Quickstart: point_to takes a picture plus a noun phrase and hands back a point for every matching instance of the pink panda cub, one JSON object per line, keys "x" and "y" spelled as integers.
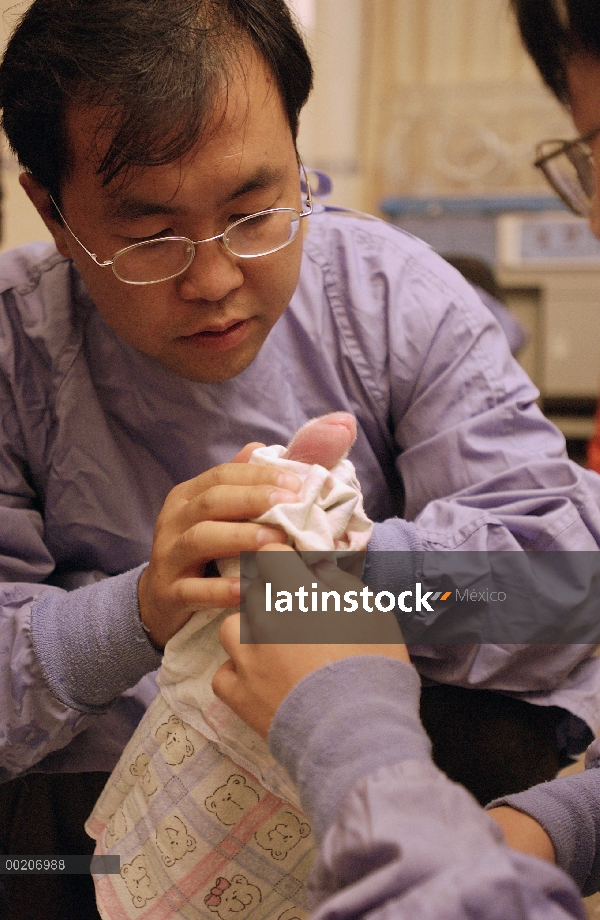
{"x": 325, "y": 440}
{"x": 329, "y": 515}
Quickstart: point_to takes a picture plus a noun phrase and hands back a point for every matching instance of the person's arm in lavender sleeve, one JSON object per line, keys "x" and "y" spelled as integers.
{"x": 65, "y": 657}
{"x": 482, "y": 469}
{"x": 396, "y": 838}
{"x": 567, "y": 810}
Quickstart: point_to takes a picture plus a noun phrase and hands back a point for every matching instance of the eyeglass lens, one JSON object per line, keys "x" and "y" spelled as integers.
{"x": 161, "y": 259}
{"x": 581, "y": 160}
{"x": 571, "y": 174}
{"x": 262, "y": 233}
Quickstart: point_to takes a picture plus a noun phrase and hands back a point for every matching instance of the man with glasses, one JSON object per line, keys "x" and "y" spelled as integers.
{"x": 567, "y": 52}
{"x": 191, "y": 307}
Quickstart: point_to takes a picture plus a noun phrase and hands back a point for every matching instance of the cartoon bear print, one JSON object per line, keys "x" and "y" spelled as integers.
{"x": 231, "y": 801}
{"x": 116, "y": 828}
{"x": 173, "y": 840}
{"x": 141, "y": 887}
{"x": 229, "y": 899}
{"x": 293, "y": 913}
{"x": 174, "y": 743}
{"x": 282, "y": 834}
{"x": 142, "y": 769}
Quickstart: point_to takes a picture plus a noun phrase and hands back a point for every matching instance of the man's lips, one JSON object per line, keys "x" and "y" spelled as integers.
{"x": 219, "y": 330}
{"x": 221, "y": 336}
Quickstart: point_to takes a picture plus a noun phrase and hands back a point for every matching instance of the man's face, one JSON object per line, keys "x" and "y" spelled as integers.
{"x": 583, "y": 73}
{"x": 209, "y": 323}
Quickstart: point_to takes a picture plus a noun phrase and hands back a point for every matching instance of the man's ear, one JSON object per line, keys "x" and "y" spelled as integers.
{"x": 40, "y": 199}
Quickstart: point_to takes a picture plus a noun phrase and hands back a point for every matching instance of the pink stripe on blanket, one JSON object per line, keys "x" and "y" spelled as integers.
{"x": 205, "y": 871}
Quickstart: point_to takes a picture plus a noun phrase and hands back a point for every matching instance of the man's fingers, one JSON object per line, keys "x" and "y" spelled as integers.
{"x": 184, "y": 597}
{"x": 239, "y": 474}
{"x": 234, "y": 503}
{"x": 246, "y": 452}
{"x": 278, "y": 548}
{"x": 191, "y": 594}
{"x": 216, "y": 540}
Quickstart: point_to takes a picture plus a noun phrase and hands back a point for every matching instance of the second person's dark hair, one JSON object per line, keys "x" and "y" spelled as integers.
{"x": 552, "y": 30}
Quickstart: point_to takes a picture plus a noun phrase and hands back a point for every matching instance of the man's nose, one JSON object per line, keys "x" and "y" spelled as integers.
{"x": 212, "y": 275}
{"x": 594, "y": 218}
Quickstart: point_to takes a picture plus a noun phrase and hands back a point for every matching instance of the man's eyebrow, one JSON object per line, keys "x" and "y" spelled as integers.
{"x": 264, "y": 177}
{"x": 130, "y": 208}
{"x": 127, "y": 209}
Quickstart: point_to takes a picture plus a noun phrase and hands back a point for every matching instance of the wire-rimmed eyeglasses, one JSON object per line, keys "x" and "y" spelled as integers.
{"x": 166, "y": 257}
{"x": 569, "y": 168}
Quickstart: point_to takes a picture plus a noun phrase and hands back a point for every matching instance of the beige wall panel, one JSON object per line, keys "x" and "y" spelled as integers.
{"x": 329, "y": 132}
{"x": 441, "y": 41}
{"x": 445, "y": 40}
{"x": 491, "y": 42}
{"x": 403, "y": 27}
{"x": 20, "y": 221}
{"x": 457, "y": 109}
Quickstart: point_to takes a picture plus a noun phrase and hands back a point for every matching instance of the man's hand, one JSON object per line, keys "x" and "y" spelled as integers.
{"x": 256, "y": 678}
{"x": 203, "y": 519}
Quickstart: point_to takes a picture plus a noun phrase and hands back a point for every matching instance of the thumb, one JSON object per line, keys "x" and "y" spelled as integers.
{"x": 229, "y": 634}
{"x": 337, "y": 578}
{"x": 225, "y": 682}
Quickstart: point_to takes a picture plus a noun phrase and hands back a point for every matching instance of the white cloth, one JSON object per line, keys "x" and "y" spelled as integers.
{"x": 329, "y": 516}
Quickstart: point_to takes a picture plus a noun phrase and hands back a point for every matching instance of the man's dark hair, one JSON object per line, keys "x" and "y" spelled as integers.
{"x": 553, "y": 30}
{"x": 157, "y": 66}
